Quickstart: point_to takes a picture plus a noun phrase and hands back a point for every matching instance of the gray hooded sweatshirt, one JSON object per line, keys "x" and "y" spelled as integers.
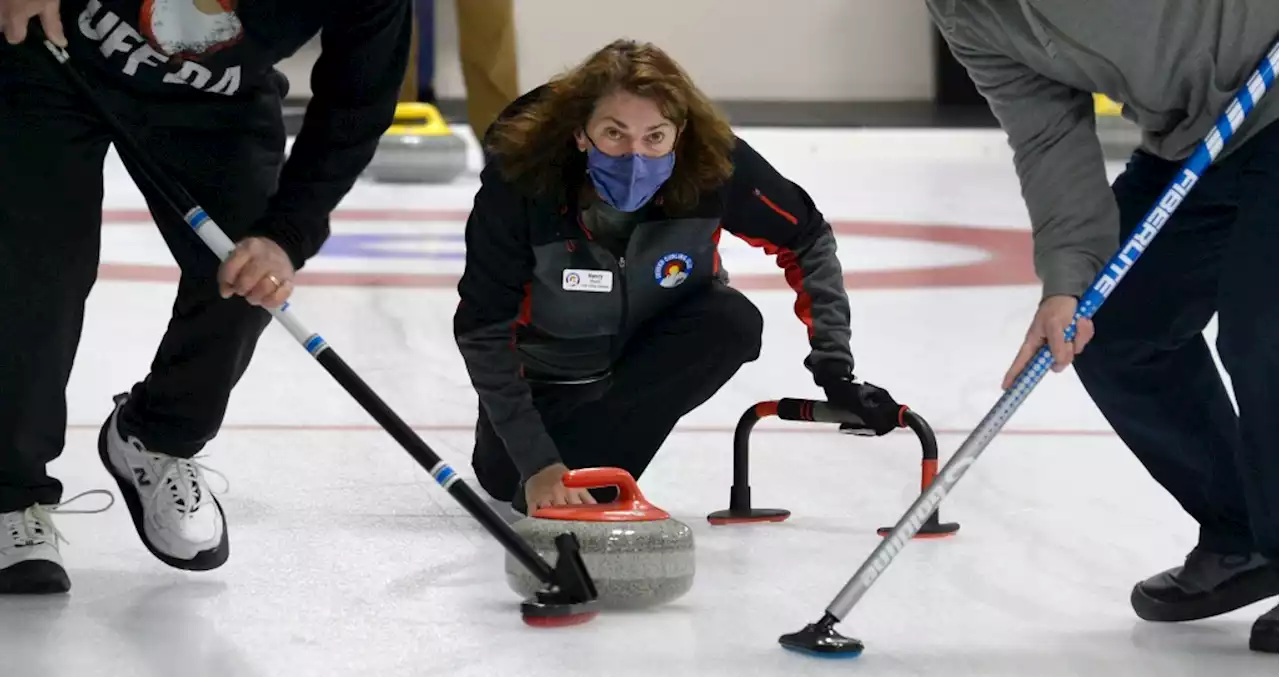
{"x": 1174, "y": 65}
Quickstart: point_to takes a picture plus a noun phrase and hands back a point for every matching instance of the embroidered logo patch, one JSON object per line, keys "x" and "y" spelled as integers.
{"x": 672, "y": 269}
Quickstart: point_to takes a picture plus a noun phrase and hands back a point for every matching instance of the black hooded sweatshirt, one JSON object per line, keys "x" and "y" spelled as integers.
{"x": 171, "y": 50}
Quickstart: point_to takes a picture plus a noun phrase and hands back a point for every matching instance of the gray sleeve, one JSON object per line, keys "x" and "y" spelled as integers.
{"x": 822, "y": 281}
{"x": 769, "y": 211}
{"x": 1075, "y": 222}
{"x": 492, "y": 293}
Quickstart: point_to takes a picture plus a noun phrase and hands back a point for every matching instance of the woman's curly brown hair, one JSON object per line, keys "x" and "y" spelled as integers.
{"x": 534, "y": 148}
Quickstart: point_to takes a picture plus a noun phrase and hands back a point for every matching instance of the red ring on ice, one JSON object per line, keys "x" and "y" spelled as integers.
{"x": 1008, "y": 256}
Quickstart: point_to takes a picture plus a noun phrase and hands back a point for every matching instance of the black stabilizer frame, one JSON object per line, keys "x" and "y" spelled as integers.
{"x": 789, "y": 409}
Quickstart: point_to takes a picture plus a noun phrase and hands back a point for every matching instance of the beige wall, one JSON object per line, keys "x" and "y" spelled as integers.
{"x": 828, "y": 50}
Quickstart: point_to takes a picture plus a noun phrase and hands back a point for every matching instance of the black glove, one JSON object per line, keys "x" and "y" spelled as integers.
{"x": 874, "y": 405}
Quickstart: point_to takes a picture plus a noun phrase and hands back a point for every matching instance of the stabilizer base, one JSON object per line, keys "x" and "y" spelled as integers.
{"x": 740, "y": 510}
{"x": 747, "y": 516}
{"x": 821, "y": 640}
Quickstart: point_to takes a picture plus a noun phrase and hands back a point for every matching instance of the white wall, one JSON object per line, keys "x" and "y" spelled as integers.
{"x": 828, "y": 50}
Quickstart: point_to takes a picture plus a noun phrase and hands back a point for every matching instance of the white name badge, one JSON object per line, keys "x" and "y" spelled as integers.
{"x": 575, "y": 279}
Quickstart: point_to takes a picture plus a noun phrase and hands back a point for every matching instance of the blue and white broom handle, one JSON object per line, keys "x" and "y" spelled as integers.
{"x": 222, "y": 247}
{"x": 1206, "y": 152}
{"x": 1210, "y": 146}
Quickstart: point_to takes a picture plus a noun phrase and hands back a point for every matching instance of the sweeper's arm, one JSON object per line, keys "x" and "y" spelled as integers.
{"x": 492, "y": 291}
{"x": 1075, "y": 222}
{"x": 364, "y": 51}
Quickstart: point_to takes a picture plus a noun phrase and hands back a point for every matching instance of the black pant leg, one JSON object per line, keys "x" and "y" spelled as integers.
{"x": 672, "y": 365}
{"x": 1149, "y": 369}
{"x": 228, "y": 156}
{"x": 494, "y": 469}
{"x": 1248, "y": 317}
{"x": 51, "y": 158}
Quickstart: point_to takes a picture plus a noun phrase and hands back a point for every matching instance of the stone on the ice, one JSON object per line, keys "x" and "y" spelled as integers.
{"x": 637, "y": 554}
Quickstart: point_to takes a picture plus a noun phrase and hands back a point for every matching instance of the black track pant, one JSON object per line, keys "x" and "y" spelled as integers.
{"x": 672, "y": 365}
{"x": 226, "y": 153}
{"x": 1149, "y": 368}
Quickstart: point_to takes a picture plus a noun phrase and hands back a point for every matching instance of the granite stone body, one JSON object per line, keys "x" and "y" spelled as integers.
{"x": 637, "y": 554}
{"x": 418, "y": 159}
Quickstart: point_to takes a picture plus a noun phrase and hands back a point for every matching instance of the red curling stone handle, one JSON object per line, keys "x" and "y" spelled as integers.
{"x": 595, "y": 478}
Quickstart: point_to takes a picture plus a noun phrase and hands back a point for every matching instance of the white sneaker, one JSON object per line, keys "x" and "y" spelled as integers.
{"x": 30, "y": 562}
{"x": 176, "y": 515}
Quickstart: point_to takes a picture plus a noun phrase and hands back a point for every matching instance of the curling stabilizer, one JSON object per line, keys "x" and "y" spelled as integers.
{"x": 741, "y": 511}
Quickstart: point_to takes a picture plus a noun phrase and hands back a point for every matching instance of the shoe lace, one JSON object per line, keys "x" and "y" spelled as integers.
{"x": 35, "y": 524}
{"x": 183, "y": 479}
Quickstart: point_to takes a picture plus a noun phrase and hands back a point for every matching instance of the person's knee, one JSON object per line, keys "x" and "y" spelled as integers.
{"x": 1101, "y": 348}
{"x": 494, "y": 470}
{"x": 1111, "y": 357}
{"x": 1107, "y": 357}
{"x": 738, "y": 324}
{"x": 1124, "y": 341}
{"x": 489, "y": 457}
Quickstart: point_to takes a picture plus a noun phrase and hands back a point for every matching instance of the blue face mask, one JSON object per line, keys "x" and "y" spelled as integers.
{"x": 628, "y": 181}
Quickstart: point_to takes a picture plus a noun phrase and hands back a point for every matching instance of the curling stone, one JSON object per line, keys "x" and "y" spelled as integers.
{"x": 1118, "y": 135}
{"x": 637, "y": 554}
{"x": 418, "y": 147}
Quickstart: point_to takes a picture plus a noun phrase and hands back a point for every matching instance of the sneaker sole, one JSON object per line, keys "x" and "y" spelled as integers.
{"x": 1251, "y": 587}
{"x": 204, "y": 560}
{"x": 34, "y": 577}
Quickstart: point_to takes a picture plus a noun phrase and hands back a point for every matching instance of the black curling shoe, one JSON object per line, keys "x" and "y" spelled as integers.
{"x": 1208, "y": 584}
{"x": 1263, "y": 636}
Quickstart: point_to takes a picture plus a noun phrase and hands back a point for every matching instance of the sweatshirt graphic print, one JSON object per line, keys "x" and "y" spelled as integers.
{"x": 173, "y": 38}
{"x": 190, "y": 27}
{"x": 222, "y": 54}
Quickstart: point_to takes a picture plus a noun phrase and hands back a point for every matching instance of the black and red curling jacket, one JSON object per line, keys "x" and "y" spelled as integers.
{"x": 523, "y": 308}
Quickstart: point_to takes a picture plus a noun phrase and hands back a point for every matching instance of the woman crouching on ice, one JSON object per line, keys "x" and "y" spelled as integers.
{"x": 594, "y": 312}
